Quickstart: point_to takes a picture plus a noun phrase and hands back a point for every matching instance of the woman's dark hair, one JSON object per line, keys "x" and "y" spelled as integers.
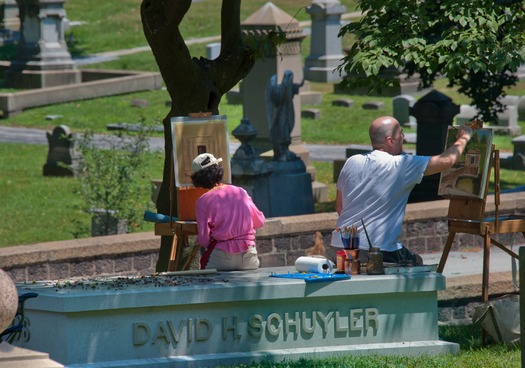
{"x": 208, "y": 177}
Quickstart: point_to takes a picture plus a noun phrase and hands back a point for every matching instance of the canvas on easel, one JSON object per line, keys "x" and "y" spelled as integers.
{"x": 192, "y": 136}
{"x": 468, "y": 178}
{"x": 466, "y": 184}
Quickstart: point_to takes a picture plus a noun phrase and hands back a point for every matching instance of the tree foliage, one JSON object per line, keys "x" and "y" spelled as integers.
{"x": 112, "y": 176}
{"x": 477, "y": 45}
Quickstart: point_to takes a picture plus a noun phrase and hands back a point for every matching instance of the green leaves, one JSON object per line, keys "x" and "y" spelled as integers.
{"x": 111, "y": 174}
{"x": 456, "y": 39}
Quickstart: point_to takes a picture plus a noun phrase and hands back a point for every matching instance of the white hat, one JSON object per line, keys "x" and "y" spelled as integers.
{"x": 203, "y": 161}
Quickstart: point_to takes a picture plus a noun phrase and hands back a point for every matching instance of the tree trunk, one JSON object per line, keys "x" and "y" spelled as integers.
{"x": 194, "y": 84}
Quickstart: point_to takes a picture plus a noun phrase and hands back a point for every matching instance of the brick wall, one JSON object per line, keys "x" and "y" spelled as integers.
{"x": 280, "y": 242}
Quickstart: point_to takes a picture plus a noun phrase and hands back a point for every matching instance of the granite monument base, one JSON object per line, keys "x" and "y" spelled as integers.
{"x": 284, "y": 193}
{"x": 232, "y": 318}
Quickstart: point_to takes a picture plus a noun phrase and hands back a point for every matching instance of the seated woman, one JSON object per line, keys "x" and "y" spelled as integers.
{"x": 226, "y": 219}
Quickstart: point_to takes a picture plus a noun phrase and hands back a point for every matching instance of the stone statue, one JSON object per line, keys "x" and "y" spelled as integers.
{"x": 281, "y": 117}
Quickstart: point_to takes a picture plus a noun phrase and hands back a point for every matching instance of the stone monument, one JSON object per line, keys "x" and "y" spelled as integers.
{"x": 325, "y": 45}
{"x": 281, "y": 115}
{"x": 289, "y": 183}
{"x": 43, "y": 59}
{"x": 10, "y": 24}
{"x": 434, "y": 113}
{"x": 401, "y": 109}
{"x": 287, "y": 56}
{"x": 61, "y": 155}
{"x": 249, "y": 170}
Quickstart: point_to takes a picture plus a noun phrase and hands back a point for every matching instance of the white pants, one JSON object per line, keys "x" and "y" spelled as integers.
{"x": 223, "y": 261}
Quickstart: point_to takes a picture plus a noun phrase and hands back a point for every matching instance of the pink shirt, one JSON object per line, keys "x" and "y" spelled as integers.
{"x": 227, "y": 214}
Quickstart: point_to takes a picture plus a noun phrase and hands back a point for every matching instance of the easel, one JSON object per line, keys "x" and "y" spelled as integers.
{"x": 466, "y": 215}
{"x": 191, "y": 135}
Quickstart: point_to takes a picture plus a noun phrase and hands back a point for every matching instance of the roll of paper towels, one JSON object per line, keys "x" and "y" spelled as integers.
{"x": 314, "y": 264}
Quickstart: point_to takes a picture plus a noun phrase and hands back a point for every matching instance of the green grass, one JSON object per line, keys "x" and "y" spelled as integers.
{"x": 36, "y": 208}
{"x": 472, "y": 355}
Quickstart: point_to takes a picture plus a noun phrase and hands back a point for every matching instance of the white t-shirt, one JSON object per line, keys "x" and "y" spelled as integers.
{"x": 375, "y": 188}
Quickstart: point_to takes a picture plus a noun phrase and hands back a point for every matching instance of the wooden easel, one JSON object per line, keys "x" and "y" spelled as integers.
{"x": 180, "y": 230}
{"x": 197, "y": 133}
{"x": 467, "y": 215}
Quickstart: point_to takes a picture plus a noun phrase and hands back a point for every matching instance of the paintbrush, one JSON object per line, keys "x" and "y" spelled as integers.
{"x": 366, "y": 233}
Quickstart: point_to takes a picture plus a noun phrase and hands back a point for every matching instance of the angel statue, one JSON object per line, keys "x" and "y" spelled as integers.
{"x": 281, "y": 116}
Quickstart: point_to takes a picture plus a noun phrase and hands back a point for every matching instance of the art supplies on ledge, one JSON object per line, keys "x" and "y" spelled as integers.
{"x": 314, "y": 264}
{"x": 349, "y": 236}
{"x": 311, "y": 277}
{"x": 157, "y": 217}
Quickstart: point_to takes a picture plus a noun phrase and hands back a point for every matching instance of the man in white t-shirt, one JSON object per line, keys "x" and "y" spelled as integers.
{"x": 374, "y": 188}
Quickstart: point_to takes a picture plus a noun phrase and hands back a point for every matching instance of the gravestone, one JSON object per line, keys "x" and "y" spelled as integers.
{"x": 401, "y": 109}
{"x": 139, "y": 102}
{"x": 314, "y": 114}
{"x": 10, "y": 24}
{"x": 61, "y": 157}
{"x": 42, "y": 59}
{"x": 518, "y": 158}
{"x": 343, "y": 102}
{"x": 233, "y": 318}
{"x": 247, "y": 166}
{"x": 466, "y": 114}
{"x": 373, "y": 105}
{"x": 521, "y": 107}
{"x": 287, "y": 56}
{"x": 325, "y": 45}
{"x": 289, "y": 186}
{"x": 507, "y": 120}
{"x": 434, "y": 112}
{"x": 104, "y": 222}
{"x": 213, "y": 50}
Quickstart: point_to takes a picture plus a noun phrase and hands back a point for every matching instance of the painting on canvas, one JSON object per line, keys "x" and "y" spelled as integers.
{"x": 192, "y": 136}
{"x": 469, "y": 176}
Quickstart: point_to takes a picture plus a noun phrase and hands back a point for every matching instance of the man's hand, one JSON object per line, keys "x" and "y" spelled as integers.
{"x": 464, "y": 131}
{"x": 476, "y": 124}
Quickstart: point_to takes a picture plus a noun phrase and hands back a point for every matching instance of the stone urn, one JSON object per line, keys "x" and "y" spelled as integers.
{"x": 8, "y": 300}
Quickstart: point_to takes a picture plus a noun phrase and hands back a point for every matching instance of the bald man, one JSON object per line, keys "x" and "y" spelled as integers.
{"x": 375, "y": 187}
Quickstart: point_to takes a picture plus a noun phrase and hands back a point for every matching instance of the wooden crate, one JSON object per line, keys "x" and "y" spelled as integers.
{"x": 186, "y": 198}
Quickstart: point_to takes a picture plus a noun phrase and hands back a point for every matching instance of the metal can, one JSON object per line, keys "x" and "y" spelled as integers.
{"x": 355, "y": 267}
{"x": 340, "y": 260}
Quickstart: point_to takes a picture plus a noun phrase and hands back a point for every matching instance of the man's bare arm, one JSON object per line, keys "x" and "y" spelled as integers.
{"x": 451, "y": 155}
{"x": 338, "y": 202}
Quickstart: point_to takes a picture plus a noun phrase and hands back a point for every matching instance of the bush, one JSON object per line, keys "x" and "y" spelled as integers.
{"x": 112, "y": 177}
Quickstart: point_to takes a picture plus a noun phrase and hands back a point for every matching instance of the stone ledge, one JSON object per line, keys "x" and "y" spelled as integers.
{"x": 470, "y": 286}
{"x": 509, "y": 202}
{"x": 279, "y": 227}
{"x": 23, "y": 255}
{"x": 298, "y": 224}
